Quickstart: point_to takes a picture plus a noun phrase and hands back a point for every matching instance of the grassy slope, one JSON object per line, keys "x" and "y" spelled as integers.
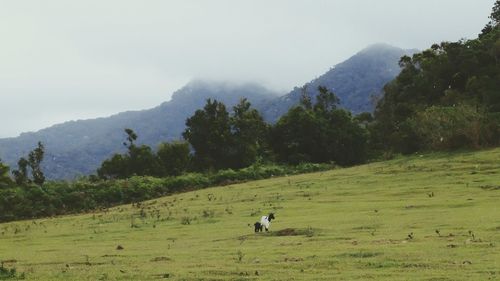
{"x": 354, "y": 223}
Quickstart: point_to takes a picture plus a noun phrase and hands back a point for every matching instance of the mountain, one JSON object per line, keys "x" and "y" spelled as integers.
{"x": 78, "y": 147}
{"x": 358, "y": 81}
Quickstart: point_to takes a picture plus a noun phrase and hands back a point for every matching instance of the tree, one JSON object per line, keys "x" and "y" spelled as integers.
{"x": 294, "y": 138}
{"x": 494, "y": 19}
{"x": 114, "y": 167}
{"x": 131, "y": 137}
{"x": 319, "y": 133}
{"x": 209, "y": 133}
{"x": 139, "y": 161}
{"x": 249, "y": 133}
{"x": 174, "y": 158}
{"x": 21, "y": 174}
{"x": 495, "y": 13}
{"x": 5, "y": 180}
{"x": 326, "y": 100}
{"x": 35, "y": 159}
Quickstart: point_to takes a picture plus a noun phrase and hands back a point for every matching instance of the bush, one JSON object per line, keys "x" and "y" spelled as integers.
{"x": 58, "y": 198}
{"x": 6, "y": 273}
{"x": 452, "y": 127}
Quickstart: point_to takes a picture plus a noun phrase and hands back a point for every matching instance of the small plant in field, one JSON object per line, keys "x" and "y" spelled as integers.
{"x": 185, "y": 220}
{"x": 142, "y": 213}
{"x": 239, "y": 256}
{"x": 472, "y": 235}
{"x": 211, "y": 197}
{"x": 208, "y": 213}
{"x": 132, "y": 222}
{"x": 309, "y": 232}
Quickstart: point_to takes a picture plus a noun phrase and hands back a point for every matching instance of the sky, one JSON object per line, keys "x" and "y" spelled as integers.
{"x": 66, "y": 60}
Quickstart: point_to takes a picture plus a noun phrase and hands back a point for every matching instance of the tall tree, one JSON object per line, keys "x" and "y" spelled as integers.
{"x": 209, "y": 133}
{"x": 35, "y": 159}
{"x": 5, "y": 180}
{"x": 21, "y": 174}
{"x": 319, "y": 133}
{"x": 139, "y": 161}
{"x": 249, "y": 132}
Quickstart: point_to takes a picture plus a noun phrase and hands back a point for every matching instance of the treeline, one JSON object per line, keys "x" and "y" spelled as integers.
{"x": 215, "y": 139}
{"x": 60, "y": 198}
{"x": 446, "y": 97}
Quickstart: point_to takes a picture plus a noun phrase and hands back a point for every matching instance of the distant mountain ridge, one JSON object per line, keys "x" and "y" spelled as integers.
{"x": 78, "y": 147}
{"x": 358, "y": 81}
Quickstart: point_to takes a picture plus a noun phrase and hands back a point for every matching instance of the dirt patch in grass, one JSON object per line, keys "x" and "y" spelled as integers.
{"x": 360, "y": 254}
{"x": 388, "y": 241}
{"x": 157, "y": 259}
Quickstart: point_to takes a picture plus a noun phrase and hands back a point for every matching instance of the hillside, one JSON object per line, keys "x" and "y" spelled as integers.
{"x": 358, "y": 81}
{"x": 425, "y": 217}
{"x": 78, "y": 147}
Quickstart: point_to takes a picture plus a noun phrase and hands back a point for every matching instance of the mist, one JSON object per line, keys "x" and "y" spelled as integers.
{"x": 69, "y": 60}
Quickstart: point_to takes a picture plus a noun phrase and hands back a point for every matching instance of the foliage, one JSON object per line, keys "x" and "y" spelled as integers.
{"x": 34, "y": 161}
{"x": 451, "y": 127}
{"x": 319, "y": 133}
{"x": 5, "y": 180}
{"x": 464, "y": 75}
{"x": 173, "y": 158}
{"x": 494, "y": 19}
{"x": 6, "y": 273}
{"x": 140, "y": 161}
{"x": 58, "y": 198}
{"x": 222, "y": 141}
{"x": 209, "y": 133}
{"x": 21, "y": 174}
{"x": 249, "y": 134}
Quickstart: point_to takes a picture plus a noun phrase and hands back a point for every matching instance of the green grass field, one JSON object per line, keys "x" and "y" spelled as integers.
{"x": 344, "y": 224}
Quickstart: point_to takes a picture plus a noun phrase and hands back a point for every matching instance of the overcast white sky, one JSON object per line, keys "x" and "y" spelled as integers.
{"x": 64, "y": 60}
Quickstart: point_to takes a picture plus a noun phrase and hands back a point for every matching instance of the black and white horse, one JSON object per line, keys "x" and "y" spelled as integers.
{"x": 264, "y": 223}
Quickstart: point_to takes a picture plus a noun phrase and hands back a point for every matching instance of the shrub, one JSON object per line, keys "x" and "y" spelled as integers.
{"x": 58, "y": 198}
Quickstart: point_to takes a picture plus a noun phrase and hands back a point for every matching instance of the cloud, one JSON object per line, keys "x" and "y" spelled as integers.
{"x": 80, "y": 59}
